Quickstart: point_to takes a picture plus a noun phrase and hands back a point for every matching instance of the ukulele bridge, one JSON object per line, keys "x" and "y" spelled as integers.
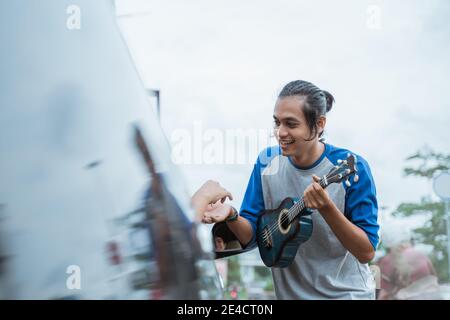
{"x": 267, "y": 238}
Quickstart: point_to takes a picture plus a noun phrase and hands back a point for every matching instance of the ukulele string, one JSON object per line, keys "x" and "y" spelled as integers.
{"x": 300, "y": 205}
{"x": 274, "y": 226}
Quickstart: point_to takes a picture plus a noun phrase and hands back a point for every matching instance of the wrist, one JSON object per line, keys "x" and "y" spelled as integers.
{"x": 233, "y": 215}
{"x": 327, "y": 208}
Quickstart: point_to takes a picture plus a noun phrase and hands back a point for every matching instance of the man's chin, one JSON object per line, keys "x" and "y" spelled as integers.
{"x": 286, "y": 151}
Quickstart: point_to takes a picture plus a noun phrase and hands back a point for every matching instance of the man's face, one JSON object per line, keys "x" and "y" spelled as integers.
{"x": 290, "y": 126}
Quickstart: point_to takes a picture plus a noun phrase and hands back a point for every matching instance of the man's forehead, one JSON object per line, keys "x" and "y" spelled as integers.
{"x": 289, "y": 107}
{"x": 286, "y": 117}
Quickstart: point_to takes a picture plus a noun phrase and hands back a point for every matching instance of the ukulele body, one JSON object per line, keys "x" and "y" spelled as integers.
{"x": 278, "y": 241}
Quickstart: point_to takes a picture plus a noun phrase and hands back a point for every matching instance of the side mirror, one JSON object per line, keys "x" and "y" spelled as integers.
{"x": 225, "y": 242}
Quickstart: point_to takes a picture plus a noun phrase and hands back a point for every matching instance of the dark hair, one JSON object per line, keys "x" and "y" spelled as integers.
{"x": 317, "y": 102}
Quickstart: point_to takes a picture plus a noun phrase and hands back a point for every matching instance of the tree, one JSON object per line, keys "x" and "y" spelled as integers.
{"x": 434, "y": 231}
{"x": 234, "y": 270}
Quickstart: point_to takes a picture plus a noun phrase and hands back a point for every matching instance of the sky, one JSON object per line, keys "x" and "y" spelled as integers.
{"x": 220, "y": 64}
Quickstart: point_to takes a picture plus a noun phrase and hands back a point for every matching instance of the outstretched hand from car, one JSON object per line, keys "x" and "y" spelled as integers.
{"x": 210, "y": 193}
{"x": 216, "y": 212}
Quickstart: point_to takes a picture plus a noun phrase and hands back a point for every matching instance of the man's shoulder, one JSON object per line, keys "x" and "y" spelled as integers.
{"x": 337, "y": 153}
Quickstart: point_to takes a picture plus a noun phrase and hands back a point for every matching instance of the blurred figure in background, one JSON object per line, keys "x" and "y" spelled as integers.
{"x": 406, "y": 273}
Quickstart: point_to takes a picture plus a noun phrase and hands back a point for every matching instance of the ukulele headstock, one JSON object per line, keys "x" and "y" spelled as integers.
{"x": 343, "y": 170}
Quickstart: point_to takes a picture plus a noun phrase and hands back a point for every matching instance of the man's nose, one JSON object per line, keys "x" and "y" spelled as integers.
{"x": 282, "y": 132}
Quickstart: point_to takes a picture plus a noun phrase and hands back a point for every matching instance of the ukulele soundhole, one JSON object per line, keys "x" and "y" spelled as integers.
{"x": 283, "y": 221}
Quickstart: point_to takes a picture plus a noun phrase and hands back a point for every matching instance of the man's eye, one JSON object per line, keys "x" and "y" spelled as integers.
{"x": 291, "y": 125}
{"x": 276, "y": 123}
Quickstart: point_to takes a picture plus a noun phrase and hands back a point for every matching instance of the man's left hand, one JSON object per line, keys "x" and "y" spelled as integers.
{"x": 315, "y": 196}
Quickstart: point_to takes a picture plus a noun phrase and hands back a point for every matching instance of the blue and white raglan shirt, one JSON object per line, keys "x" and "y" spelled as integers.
{"x": 322, "y": 268}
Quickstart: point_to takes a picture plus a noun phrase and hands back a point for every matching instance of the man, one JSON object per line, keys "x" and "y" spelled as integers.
{"x": 332, "y": 264}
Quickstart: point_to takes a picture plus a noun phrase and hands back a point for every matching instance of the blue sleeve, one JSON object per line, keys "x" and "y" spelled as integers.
{"x": 361, "y": 205}
{"x": 253, "y": 202}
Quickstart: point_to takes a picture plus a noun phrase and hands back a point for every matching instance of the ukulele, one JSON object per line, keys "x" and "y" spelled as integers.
{"x": 281, "y": 231}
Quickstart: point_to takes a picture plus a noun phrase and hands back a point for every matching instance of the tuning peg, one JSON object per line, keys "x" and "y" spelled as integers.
{"x": 355, "y": 178}
{"x": 347, "y": 183}
{"x": 344, "y": 161}
{"x": 339, "y": 161}
{"x": 347, "y": 171}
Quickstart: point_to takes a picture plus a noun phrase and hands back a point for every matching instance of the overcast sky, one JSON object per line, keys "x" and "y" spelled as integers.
{"x": 222, "y": 63}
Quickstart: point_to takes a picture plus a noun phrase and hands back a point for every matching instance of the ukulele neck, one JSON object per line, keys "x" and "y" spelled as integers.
{"x": 298, "y": 207}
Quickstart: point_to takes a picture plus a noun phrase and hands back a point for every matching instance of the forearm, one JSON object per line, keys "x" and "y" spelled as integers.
{"x": 353, "y": 238}
{"x": 242, "y": 229}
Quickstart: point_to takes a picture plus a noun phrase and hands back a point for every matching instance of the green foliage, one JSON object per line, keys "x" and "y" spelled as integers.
{"x": 234, "y": 270}
{"x": 269, "y": 285}
{"x": 429, "y": 163}
{"x": 434, "y": 230}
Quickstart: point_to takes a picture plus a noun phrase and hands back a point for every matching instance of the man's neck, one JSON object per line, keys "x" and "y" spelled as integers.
{"x": 308, "y": 157}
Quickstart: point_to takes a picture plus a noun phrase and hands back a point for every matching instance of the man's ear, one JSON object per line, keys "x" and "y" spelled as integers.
{"x": 321, "y": 122}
